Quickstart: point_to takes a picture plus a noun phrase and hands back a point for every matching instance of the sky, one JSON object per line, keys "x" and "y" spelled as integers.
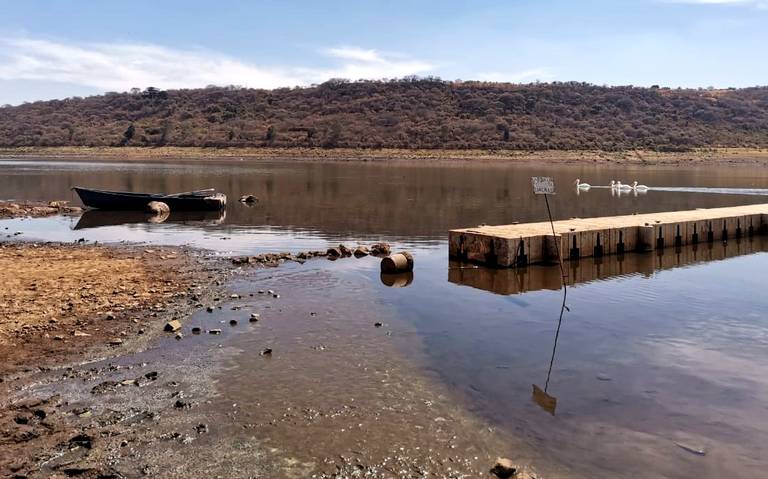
{"x": 64, "y": 48}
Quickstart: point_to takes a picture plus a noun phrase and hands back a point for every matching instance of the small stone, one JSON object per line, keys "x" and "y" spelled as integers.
{"x": 179, "y": 336}
{"x": 248, "y": 199}
{"x": 214, "y": 331}
{"x": 255, "y": 317}
{"x": 172, "y": 326}
{"x": 209, "y": 309}
{"x": 276, "y": 296}
{"x": 141, "y": 331}
{"x": 504, "y": 468}
{"x": 201, "y": 428}
{"x": 196, "y": 330}
{"x": 603, "y": 377}
{"x": 266, "y": 352}
{"x": 116, "y": 342}
{"x": 233, "y": 322}
{"x": 378, "y": 324}
{"x": 234, "y": 296}
{"x": 109, "y": 316}
{"x": 152, "y": 375}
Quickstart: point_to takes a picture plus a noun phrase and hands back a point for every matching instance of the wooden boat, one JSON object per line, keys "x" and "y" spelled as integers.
{"x": 200, "y": 200}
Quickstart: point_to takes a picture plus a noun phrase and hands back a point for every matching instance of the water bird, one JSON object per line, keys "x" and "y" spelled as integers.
{"x": 637, "y": 187}
{"x": 582, "y": 186}
{"x": 622, "y": 187}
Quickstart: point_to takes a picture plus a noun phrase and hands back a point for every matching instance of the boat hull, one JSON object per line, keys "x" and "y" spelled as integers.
{"x": 125, "y": 201}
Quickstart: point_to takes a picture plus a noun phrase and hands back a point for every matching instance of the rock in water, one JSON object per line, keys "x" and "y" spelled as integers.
{"x": 361, "y": 251}
{"x": 254, "y": 317}
{"x": 380, "y": 249}
{"x": 157, "y": 208}
{"x": 248, "y": 199}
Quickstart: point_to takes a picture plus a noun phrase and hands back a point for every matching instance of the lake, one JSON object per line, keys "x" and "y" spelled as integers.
{"x": 658, "y": 366}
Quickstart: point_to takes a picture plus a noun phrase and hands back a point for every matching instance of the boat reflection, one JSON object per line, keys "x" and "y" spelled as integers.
{"x": 99, "y": 218}
{"x": 511, "y": 281}
{"x": 397, "y": 280}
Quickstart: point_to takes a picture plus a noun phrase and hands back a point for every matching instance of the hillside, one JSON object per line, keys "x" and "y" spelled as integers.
{"x": 408, "y": 113}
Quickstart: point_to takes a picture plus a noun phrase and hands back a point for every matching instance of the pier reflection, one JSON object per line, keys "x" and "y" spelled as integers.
{"x": 509, "y": 281}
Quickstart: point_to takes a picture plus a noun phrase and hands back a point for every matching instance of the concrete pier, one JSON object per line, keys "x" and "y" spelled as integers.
{"x": 534, "y": 243}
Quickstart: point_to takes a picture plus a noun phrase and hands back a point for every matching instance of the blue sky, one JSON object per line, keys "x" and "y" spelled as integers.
{"x": 61, "y": 48}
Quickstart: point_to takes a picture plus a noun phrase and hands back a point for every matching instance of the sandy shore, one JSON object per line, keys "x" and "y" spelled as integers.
{"x": 719, "y": 156}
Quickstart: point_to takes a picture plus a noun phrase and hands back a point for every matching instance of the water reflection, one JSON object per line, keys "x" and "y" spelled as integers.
{"x": 101, "y": 218}
{"x": 397, "y": 280}
{"x": 510, "y": 281}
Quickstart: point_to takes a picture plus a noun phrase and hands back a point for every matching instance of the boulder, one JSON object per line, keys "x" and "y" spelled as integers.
{"x": 157, "y": 208}
{"x": 380, "y": 249}
{"x": 361, "y": 251}
{"x": 248, "y": 199}
{"x": 333, "y": 253}
{"x": 344, "y": 250}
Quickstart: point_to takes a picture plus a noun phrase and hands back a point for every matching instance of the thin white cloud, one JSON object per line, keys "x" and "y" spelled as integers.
{"x": 121, "y": 66}
{"x": 525, "y": 76}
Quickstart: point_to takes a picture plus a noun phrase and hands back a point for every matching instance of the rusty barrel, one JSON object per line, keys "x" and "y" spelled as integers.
{"x": 401, "y": 262}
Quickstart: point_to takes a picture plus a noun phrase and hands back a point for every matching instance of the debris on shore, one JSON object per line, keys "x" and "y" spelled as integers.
{"x": 37, "y": 209}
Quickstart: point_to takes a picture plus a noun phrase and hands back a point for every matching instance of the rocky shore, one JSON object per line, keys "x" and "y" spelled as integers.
{"x": 163, "y": 362}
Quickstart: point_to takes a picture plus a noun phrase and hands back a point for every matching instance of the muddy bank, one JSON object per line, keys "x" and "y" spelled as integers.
{"x": 61, "y": 302}
{"x": 36, "y": 209}
{"x": 270, "y": 377}
{"x": 698, "y": 157}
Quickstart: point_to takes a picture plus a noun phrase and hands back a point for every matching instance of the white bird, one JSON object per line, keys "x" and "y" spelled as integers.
{"x": 621, "y": 187}
{"x": 582, "y": 186}
{"x": 637, "y": 187}
{"x": 613, "y": 184}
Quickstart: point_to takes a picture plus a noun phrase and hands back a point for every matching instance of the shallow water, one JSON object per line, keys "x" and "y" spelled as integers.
{"x": 655, "y": 352}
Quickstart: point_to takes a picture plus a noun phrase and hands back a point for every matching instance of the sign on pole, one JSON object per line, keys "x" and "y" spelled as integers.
{"x": 543, "y": 185}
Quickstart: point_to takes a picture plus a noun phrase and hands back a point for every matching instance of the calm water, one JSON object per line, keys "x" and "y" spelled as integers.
{"x": 655, "y": 350}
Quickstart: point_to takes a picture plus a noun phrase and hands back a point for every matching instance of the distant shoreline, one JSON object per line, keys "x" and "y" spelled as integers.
{"x": 708, "y": 156}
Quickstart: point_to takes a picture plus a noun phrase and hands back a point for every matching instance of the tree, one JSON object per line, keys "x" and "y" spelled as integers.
{"x": 128, "y": 135}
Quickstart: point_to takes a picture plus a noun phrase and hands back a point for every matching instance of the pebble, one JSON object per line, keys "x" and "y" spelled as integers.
{"x": 234, "y": 296}
{"x": 255, "y": 317}
{"x": 116, "y": 342}
{"x": 215, "y": 331}
{"x": 109, "y": 316}
{"x": 266, "y": 352}
{"x": 172, "y": 326}
{"x": 233, "y": 322}
{"x": 209, "y": 309}
{"x": 179, "y": 336}
{"x": 603, "y": 377}
{"x": 378, "y": 325}
{"x": 196, "y": 330}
